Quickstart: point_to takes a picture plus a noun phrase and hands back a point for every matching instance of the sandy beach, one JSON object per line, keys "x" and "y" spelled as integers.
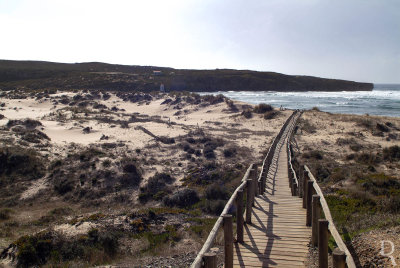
{"x": 87, "y": 142}
{"x": 102, "y": 161}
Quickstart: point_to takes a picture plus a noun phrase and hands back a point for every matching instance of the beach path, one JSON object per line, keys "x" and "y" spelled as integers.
{"x": 277, "y": 235}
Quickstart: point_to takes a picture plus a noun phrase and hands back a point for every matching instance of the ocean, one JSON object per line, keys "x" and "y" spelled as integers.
{"x": 384, "y": 100}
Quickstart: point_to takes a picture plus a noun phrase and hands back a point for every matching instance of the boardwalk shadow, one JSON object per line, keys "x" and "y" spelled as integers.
{"x": 260, "y": 236}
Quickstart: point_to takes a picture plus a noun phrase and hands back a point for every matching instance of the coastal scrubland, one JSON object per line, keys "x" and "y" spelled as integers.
{"x": 356, "y": 160}
{"x": 91, "y": 177}
{"x": 124, "y": 78}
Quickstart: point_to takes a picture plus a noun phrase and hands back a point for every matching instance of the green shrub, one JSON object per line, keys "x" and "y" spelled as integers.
{"x": 201, "y": 226}
{"x": 308, "y": 127}
{"x": 208, "y": 152}
{"x": 210, "y": 146}
{"x": 262, "y": 108}
{"x": 247, "y": 113}
{"x": 368, "y": 158}
{"x": 351, "y": 142}
{"x": 391, "y": 153}
{"x": 107, "y": 163}
{"x": 216, "y": 191}
{"x": 156, "y": 187}
{"x": 17, "y": 161}
{"x": 132, "y": 175}
{"x": 27, "y": 123}
{"x": 270, "y": 115}
{"x": 64, "y": 186}
{"x": 37, "y": 250}
{"x": 5, "y": 213}
{"x": 213, "y": 99}
{"x": 394, "y": 204}
{"x": 229, "y": 152}
{"x": 321, "y": 172}
{"x": 344, "y": 208}
{"x": 183, "y": 199}
{"x": 365, "y": 122}
{"x": 89, "y": 154}
{"x": 157, "y": 239}
{"x": 382, "y": 127}
{"x": 380, "y": 184}
{"x": 314, "y": 154}
{"x": 214, "y": 207}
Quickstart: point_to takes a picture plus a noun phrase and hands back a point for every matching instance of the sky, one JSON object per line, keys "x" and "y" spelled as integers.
{"x": 345, "y": 39}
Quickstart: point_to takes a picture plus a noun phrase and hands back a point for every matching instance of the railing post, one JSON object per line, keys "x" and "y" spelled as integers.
{"x": 305, "y": 180}
{"x": 315, "y": 217}
{"x": 300, "y": 179}
{"x": 255, "y": 178}
{"x": 294, "y": 187}
{"x": 210, "y": 260}
{"x": 339, "y": 258}
{"x": 310, "y": 191}
{"x": 323, "y": 243}
{"x": 249, "y": 200}
{"x": 239, "y": 216}
{"x": 228, "y": 241}
{"x": 264, "y": 179}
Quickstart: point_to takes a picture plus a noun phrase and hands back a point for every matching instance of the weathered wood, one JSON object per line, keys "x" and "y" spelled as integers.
{"x": 332, "y": 228}
{"x": 305, "y": 181}
{"x": 213, "y": 233}
{"x": 228, "y": 241}
{"x": 294, "y": 188}
{"x": 270, "y": 161}
{"x": 239, "y": 217}
{"x": 255, "y": 179}
{"x": 323, "y": 243}
{"x": 301, "y": 179}
{"x": 315, "y": 217}
{"x": 310, "y": 191}
{"x": 210, "y": 260}
{"x": 249, "y": 198}
{"x": 264, "y": 180}
{"x": 339, "y": 258}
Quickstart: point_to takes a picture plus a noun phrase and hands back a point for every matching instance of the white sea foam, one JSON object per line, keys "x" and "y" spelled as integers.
{"x": 383, "y": 100}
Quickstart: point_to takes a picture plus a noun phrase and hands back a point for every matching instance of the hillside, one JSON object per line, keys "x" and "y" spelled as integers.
{"x": 49, "y": 75}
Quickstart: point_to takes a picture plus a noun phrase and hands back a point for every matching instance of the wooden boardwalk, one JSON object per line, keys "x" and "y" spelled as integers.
{"x": 277, "y": 235}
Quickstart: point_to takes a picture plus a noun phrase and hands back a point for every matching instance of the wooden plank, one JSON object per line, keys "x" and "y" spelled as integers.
{"x": 275, "y": 242}
{"x": 261, "y": 264}
{"x": 280, "y": 227}
{"x": 262, "y": 246}
{"x": 287, "y": 238}
{"x": 279, "y": 231}
{"x": 272, "y": 257}
{"x": 242, "y": 250}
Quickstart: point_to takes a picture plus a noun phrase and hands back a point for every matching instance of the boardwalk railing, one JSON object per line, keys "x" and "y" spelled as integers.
{"x": 268, "y": 159}
{"x": 322, "y": 227}
{"x": 251, "y": 185}
{"x": 313, "y": 200}
{"x": 293, "y": 180}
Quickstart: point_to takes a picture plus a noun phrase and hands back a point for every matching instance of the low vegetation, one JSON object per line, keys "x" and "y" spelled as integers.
{"x": 358, "y": 175}
{"x": 262, "y": 108}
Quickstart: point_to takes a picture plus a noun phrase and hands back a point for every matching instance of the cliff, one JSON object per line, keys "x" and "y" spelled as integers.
{"x": 40, "y": 75}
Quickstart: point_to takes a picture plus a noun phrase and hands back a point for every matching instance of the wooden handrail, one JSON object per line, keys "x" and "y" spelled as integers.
{"x": 293, "y": 180}
{"x": 211, "y": 237}
{"x": 268, "y": 158}
{"x": 197, "y": 263}
{"x": 332, "y": 229}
